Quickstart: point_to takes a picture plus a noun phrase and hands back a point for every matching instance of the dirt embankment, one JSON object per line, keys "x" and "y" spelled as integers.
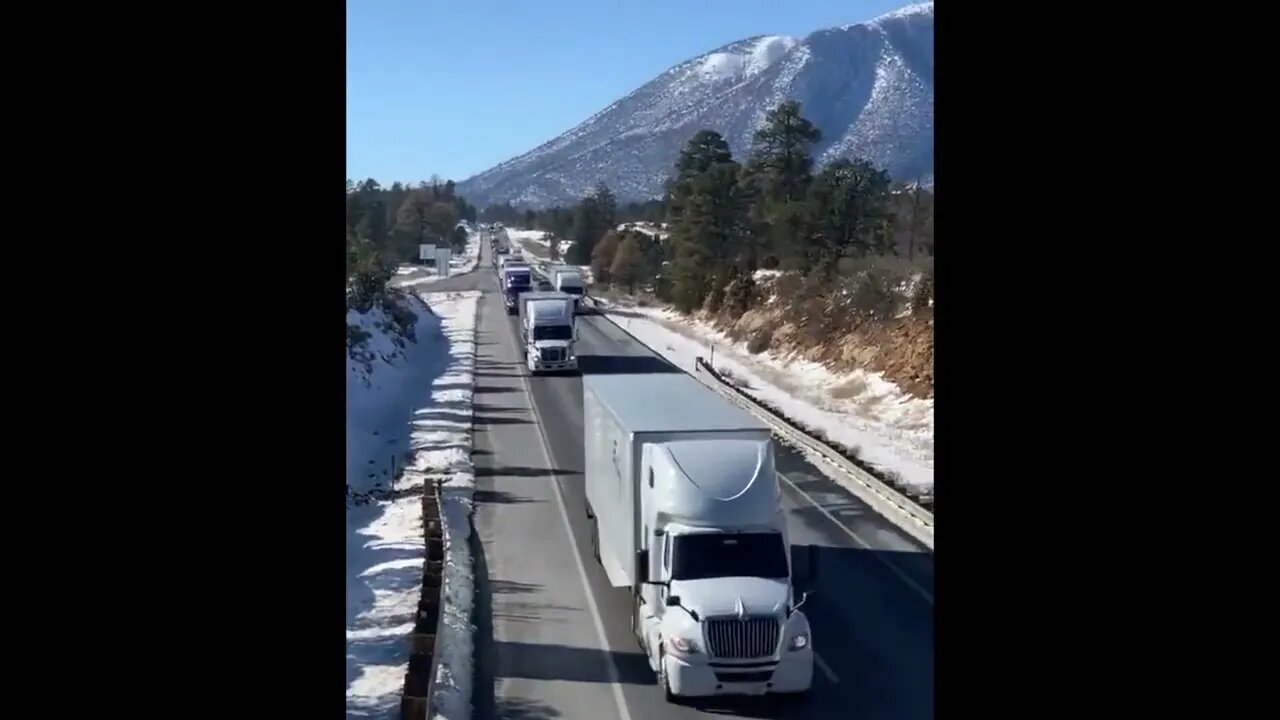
{"x": 901, "y": 348}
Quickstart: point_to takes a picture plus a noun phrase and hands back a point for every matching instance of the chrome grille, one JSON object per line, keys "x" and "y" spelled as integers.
{"x": 750, "y": 637}
{"x": 552, "y": 354}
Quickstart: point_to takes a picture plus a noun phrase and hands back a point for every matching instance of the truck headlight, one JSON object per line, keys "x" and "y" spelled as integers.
{"x": 683, "y": 646}
{"x": 799, "y": 642}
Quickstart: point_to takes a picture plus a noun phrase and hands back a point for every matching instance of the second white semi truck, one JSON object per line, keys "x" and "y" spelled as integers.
{"x": 686, "y": 514}
{"x": 568, "y": 280}
{"x": 547, "y": 331}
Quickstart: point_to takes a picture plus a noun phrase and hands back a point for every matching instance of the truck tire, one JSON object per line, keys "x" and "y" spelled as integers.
{"x": 663, "y": 681}
{"x": 586, "y": 504}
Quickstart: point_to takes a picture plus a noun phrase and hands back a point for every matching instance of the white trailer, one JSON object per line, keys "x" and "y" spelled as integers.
{"x": 686, "y": 514}
{"x": 547, "y": 331}
{"x": 568, "y": 280}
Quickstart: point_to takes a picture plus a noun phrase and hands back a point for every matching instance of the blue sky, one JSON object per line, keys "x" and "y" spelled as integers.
{"x": 453, "y": 87}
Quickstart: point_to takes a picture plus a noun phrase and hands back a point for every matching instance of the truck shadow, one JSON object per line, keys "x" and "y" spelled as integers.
{"x": 875, "y": 635}
{"x": 624, "y": 365}
{"x": 547, "y": 661}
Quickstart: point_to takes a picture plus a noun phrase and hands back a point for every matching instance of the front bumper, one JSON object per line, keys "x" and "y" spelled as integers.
{"x": 538, "y": 365}
{"x": 698, "y": 676}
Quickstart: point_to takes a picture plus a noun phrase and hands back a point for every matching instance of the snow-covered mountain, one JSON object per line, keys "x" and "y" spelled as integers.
{"x": 868, "y": 86}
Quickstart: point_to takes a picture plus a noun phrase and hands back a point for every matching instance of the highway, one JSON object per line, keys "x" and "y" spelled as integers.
{"x": 553, "y": 637}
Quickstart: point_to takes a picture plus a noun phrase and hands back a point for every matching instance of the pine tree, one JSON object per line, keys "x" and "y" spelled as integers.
{"x": 708, "y": 238}
{"x": 588, "y": 228}
{"x": 607, "y": 205}
{"x": 458, "y": 240}
{"x": 705, "y": 149}
{"x": 851, "y": 214}
{"x": 777, "y": 178}
{"x": 411, "y": 227}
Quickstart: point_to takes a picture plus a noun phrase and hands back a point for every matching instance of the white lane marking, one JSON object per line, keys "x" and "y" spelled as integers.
{"x": 865, "y": 545}
{"x": 615, "y": 679}
{"x": 826, "y": 669}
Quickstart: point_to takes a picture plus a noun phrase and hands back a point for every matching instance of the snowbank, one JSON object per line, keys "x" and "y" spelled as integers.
{"x": 862, "y": 410}
{"x": 408, "y": 408}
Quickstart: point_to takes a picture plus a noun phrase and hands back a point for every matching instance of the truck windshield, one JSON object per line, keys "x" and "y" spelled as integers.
{"x": 712, "y": 555}
{"x": 552, "y": 332}
{"x": 571, "y": 289}
{"x": 518, "y": 279}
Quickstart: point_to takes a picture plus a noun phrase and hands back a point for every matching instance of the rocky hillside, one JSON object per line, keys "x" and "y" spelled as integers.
{"x": 868, "y": 86}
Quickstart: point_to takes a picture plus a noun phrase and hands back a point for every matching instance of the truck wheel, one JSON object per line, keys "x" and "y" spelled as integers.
{"x": 587, "y": 505}
{"x": 665, "y": 682}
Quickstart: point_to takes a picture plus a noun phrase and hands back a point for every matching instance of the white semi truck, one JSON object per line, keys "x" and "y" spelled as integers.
{"x": 547, "y": 331}
{"x": 568, "y": 280}
{"x": 515, "y": 279}
{"x": 686, "y": 514}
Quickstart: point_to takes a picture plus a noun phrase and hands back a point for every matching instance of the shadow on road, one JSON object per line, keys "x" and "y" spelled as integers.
{"x": 519, "y": 471}
{"x": 512, "y": 587}
{"x": 624, "y": 365}
{"x": 500, "y": 497}
{"x": 498, "y": 420}
{"x": 875, "y": 633}
{"x": 546, "y": 661}
{"x": 522, "y": 709}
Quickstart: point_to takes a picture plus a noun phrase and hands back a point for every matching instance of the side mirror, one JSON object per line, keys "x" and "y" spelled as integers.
{"x": 673, "y": 601}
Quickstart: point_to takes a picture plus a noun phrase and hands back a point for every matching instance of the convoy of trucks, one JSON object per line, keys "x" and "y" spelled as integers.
{"x": 686, "y": 514}
{"x": 547, "y": 331}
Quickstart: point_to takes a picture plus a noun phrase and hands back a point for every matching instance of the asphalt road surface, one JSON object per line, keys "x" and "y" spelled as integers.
{"x": 553, "y": 638}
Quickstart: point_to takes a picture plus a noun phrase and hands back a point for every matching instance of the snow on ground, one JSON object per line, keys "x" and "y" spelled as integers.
{"x": 859, "y": 409}
{"x": 408, "y": 407}
{"x": 655, "y": 230}
{"x": 537, "y": 236}
{"x": 763, "y": 53}
{"x": 409, "y": 275}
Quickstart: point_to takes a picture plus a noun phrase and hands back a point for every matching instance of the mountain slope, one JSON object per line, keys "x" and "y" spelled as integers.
{"x": 868, "y": 86}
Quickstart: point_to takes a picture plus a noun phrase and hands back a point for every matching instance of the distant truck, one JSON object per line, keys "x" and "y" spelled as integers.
{"x": 568, "y": 280}
{"x": 686, "y": 514}
{"x": 515, "y": 280}
{"x": 547, "y": 331}
{"x": 507, "y": 260}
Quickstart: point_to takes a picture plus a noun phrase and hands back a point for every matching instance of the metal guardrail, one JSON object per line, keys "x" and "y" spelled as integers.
{"x": 892, "y": 504}
{"x": 418, "y": 698}
{"x": 904, "y": 512}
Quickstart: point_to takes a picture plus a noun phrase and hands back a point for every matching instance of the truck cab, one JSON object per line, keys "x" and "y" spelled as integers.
{"x": 547, "y": 332}
{"x": 687, "y": 514}
{"x": 717, "y": 612}
{"x": 516, "y": 279}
